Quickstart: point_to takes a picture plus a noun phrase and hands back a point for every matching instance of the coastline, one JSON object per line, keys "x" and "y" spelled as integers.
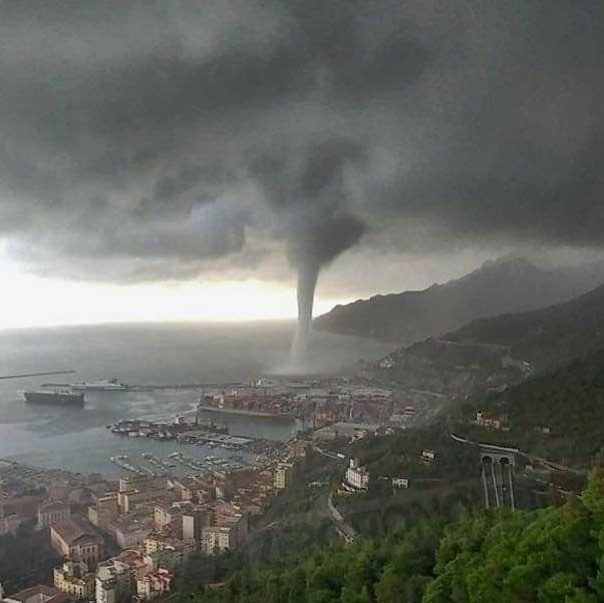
{"x": 249, "y": 413}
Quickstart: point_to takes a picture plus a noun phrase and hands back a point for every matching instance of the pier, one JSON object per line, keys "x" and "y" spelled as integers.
{"x": 44, "y": 374}
{"x": 242, "y": 411}
{"x": 149, "y": 388}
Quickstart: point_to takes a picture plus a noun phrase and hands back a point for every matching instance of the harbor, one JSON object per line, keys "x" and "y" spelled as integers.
{"x": 200, "y": 433}
{"x": 177, "y": 429}
{"x": 182, "y": 463}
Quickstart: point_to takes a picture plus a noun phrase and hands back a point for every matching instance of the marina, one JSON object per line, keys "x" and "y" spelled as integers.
{"x": 179, "y": 429}
{"x": 179, "y": 460}
{"x": 123, "y": 462}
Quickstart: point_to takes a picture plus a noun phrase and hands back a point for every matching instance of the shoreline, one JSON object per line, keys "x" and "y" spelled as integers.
{"x": 249, "y": 413}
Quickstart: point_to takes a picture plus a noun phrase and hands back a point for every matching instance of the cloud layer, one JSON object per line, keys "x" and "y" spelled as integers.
{"x": 152, "y": 140}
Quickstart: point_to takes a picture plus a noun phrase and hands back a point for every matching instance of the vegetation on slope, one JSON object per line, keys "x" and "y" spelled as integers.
{"x": 26, "y": 559}
{"x": 568, "y": 403}
{"x": 549, "y": 555}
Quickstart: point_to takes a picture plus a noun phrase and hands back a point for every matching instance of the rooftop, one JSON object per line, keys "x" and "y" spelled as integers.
{"x": 72, "y": 529}
{"x": 40, "y": 593}
{"x": 49, "y": 505}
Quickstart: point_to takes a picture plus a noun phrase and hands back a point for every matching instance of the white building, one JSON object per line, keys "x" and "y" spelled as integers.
{"x": 114, "y": 581}
{"x": 193, "y": 521}
{"x": 283, "y": 474}
{"x": 228, "y": 534}
{"x": 356, "y": 478}
{"x": 400, "y": 482}
{"x": 218, "y": 539}
{"x": 428, "y": 456}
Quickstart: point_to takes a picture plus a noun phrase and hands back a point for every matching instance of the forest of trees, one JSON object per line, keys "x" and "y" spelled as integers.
{"x": 26, "y": 559}
{"x": 553, "y": 554}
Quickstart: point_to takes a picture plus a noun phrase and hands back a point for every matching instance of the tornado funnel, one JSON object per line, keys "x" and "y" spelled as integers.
{"x": 307, "y": 281}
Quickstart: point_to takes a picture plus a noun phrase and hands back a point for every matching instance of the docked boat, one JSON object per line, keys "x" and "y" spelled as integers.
{"x": 107, "y": 385}
{"x": 60, "y": 397}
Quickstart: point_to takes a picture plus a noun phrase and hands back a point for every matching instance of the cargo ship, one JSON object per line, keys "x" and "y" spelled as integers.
{"x": 56, "y": 397}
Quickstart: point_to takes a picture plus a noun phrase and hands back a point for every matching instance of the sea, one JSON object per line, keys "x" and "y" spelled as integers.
{"x": 78, "y": 440}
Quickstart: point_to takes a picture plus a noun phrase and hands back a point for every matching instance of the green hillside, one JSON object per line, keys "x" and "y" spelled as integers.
{"x": 569, "y": 402}
{"x": 552, "y": 555}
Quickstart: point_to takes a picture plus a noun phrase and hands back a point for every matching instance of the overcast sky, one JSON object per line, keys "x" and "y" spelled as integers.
{"x": 194, "y": 152}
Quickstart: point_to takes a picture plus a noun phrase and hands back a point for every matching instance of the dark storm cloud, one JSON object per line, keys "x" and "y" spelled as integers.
{"x": 145, "y": 140}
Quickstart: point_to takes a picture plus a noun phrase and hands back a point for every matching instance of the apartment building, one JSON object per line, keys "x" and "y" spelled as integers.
{"x": 131, "y": 531}
{"x": 356, "y": 478}
{"x": 75, "y": 579}
{"x": 104, "y": 511}
{"x": 154, "y": 584}
{"x": 76, "y": 540}
{"x": 114, "y": 581}
{"x": 283, "y": 476}
{"x": 193, "y": 522}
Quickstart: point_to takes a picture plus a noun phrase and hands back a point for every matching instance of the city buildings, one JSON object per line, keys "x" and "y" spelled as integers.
{"x": 154, "y": 584}
{"x": 166, "y": 552}
{"x": 193, "y": 522}
{"x": 74, "y": 579}
{"x": 164, "y": 514}
{"x": 484, "y": 420}
{"x": 114, "y": 581}
{"x": 9, "y": 524}
{"x": 132, "y": 573}
{"x": 76, "y": 540}
{"x": 156, "y": 521}
{"x": 104, "y": 511}
{"x": 132, "y": 500}
{"x": 218, "y": 539}
{"x": 25, "y": 506}
{"x": 52, "y": 511}
{"x": 283, "y": 475}
{"x": 229, "y": 529}
{"x": 131, "y": 530}
{"x": 37, "y": 594}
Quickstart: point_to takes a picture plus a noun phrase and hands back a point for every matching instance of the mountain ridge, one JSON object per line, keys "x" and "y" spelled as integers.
{"x": 493, "y": 353}
{"x": 508, "y": 285}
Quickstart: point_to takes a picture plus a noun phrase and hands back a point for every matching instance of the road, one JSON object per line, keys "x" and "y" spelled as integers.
{"x": 531, "y": 457}
{"x": 344, "y": 529}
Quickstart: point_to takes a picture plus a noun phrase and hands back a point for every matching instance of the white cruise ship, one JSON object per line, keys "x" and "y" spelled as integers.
{"x": 108, "y": 385}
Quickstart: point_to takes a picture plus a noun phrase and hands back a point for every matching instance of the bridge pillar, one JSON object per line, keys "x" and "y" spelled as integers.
{"x": 497, "y": 477}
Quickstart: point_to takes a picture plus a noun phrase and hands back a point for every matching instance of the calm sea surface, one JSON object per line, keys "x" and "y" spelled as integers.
{"x": 78, "y": 440}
